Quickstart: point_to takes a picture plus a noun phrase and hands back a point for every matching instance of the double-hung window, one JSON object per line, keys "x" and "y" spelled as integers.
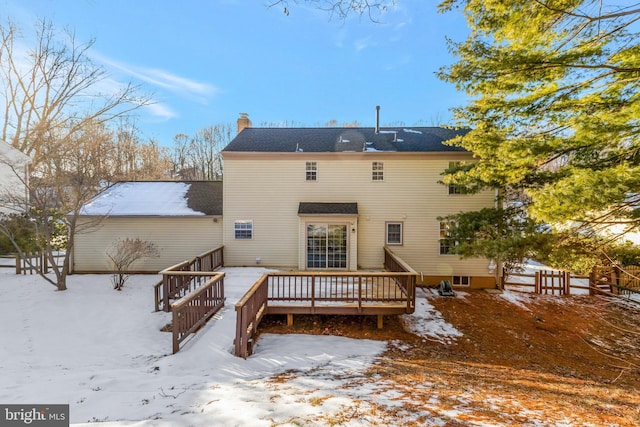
{"x": 311, "y": 171}
{"x": 243, "y": 230}
{"x": 394, "y": 233}
{"x": 446, "y": 243}
{"x": 377, "y": 171}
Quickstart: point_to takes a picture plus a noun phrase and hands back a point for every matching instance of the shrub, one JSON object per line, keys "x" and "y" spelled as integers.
{"x": 124, "y": 253}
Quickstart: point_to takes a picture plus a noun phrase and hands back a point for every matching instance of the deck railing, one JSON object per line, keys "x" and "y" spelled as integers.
{"x": 334, "y": 293}
{"x": 249, "y": 311}
{"x": 377, "y": 293}
{"x": 394, "y": 263}
{"x": 183, "y": 278}
{"x": 194, "y": 310}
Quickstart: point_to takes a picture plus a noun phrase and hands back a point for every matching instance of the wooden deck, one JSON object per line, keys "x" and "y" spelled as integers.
{"x": 345, "y": 293}
{"x": 338, "y": 293}
{"x": 193, "y": 291}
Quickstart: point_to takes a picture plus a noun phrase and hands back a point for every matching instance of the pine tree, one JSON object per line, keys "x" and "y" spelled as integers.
{"x": 555, "y": 109}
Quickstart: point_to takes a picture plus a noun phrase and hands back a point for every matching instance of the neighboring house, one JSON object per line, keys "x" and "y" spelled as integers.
{"x": 332, "y": 198}
{"x": 14, "y": 179}
{"x": 182, "y": 219}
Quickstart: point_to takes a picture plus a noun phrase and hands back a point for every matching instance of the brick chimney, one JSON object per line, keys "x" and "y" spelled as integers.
{"x": 243, "y": 122}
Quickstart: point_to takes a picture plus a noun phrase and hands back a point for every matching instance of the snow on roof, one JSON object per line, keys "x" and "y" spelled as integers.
{"x": 142, "y": 199}
{"x": 11, "y": 155}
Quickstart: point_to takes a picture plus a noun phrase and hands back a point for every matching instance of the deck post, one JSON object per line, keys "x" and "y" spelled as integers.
{"x": 380, "y": 321}
{"x": 359, "y": 294}
{"x": 289, "y": 319}
{"x": 165, "y": 293}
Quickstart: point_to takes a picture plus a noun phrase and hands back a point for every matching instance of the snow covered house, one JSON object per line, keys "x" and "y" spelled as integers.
{"x": 14, "y": 176}
{"x": 332, "y": 198}
{"x": 182, "y": 219}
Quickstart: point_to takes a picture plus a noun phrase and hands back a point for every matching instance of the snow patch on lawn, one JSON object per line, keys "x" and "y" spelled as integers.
{"x": 427, "y": 322}
{"x": 520, "y": 299}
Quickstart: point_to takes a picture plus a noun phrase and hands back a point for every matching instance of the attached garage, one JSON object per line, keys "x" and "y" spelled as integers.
{"x": 182, "y": 220}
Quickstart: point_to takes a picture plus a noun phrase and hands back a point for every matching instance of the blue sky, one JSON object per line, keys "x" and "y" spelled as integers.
{"x": 206, "y": 61}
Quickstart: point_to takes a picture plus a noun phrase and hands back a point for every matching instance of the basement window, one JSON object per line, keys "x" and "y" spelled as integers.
{"x": 461, "y": 280}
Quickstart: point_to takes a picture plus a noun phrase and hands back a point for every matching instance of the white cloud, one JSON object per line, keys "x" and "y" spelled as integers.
{"x": 363, "y": 43}
{"x": 160, "y": 78}
{"x": 161, "y": 110}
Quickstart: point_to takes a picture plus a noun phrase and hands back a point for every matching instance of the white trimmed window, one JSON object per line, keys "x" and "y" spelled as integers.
{"x": 394, "y": 233}
{"x": 311, "y": 171}
{"x": 445, "y": 241}
{"x": 461, "y": 280}
{"x": 243, "y": 230}
{"x": 377, "y": 171}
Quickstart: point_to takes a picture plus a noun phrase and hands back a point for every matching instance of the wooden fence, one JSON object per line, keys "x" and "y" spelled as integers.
{"x": 616, "y": 279}
{"x": 376, "y": 293}
{"x": 183, "y": 278}
{"x": 195, "y": 309}
{"x": 8, "y": 261}
{"x": 35, "y": 263}
{"x": 546, "y": 282}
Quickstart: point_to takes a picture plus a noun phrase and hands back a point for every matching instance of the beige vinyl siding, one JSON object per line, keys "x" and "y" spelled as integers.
{"x": 176, "y": 238}
{"x": 268, "y": 187}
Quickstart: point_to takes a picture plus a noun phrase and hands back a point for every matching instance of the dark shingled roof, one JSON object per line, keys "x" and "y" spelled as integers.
{"x": 320, "y": 140}
{"x": 205, "y": 197}
{"x": 328, "y": 208}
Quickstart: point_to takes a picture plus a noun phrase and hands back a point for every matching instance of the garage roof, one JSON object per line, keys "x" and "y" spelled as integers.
{"x": 158, "y": 198}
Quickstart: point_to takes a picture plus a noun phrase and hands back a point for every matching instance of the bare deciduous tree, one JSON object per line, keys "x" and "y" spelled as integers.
{"x": 133, "y": 159}
{"x": 56, "y": 108}
{"x": 342, "y": 8}
{"x": 199, "y": 157}
{"x": 53, "y": 88}
{"x": 68, "y": 176}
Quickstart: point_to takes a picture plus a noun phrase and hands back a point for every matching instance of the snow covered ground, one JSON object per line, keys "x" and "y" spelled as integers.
{"x": 102, "y": 352}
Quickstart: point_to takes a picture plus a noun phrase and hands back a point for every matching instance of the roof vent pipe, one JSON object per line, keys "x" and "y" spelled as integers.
{"x": 377, "y": 119}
